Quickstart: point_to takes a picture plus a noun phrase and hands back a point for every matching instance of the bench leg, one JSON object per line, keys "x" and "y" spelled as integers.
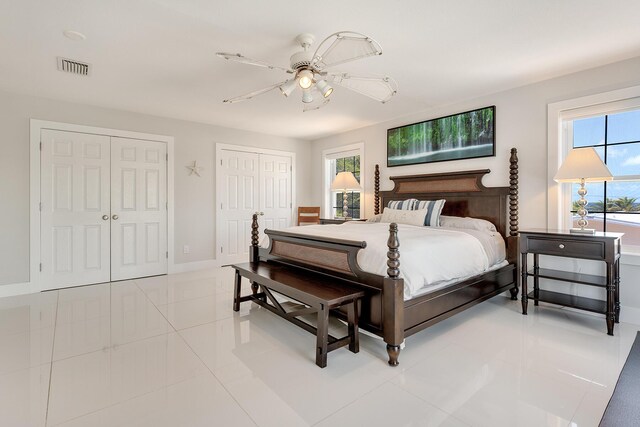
{"x": 322, "y": 336}
{"x": 236, "y": 291}
{"x": 352, "y": 317}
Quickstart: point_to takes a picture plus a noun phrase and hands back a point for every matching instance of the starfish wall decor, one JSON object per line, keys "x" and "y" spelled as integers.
{"x": 194, "y": 169}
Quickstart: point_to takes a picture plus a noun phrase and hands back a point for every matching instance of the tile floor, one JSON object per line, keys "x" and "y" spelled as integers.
{"x": 169, "y": 351}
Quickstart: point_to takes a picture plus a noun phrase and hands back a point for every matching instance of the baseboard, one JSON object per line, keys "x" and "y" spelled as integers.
{"x": 14, "y": 289}
{"x": 193, "y": 266}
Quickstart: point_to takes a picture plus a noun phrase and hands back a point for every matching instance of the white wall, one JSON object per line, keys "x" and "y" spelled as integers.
{"x": 521, "y": 122}
{"x": 194, "y": 197}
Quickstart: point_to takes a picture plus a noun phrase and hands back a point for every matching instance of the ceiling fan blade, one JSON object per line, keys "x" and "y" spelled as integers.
{"x": 236, "y": 57}
{"x": 379, "y": 88}
{"x": 254, "y": 93}
{"x": 343, "y": 47}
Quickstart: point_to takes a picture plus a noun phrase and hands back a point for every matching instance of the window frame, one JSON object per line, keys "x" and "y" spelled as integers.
{"x": 328, "y": 172}
{"x": 560, "y": 142}
{"x": 336, "y": 196}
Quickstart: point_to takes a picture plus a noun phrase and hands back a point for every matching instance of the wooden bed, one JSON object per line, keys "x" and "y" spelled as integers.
{"x": 383, "y": 310}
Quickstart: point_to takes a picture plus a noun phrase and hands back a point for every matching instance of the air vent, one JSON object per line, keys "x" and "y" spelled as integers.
{"x": 73, "y": 67}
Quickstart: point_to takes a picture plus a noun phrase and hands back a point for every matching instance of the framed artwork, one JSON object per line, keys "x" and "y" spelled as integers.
{"x": 459, "y": 136}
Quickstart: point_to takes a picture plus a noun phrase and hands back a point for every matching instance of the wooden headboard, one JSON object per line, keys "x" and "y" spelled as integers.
{"x": 464, "y": 192}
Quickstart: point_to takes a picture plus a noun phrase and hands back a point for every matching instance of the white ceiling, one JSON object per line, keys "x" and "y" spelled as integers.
{"x": 157, "y": 56}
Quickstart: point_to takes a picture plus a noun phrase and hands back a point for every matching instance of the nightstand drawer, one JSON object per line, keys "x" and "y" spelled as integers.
{"x": 565, "y": 247}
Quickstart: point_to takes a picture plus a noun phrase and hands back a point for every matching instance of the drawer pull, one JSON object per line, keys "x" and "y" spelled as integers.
{"x": 561, "y": 246}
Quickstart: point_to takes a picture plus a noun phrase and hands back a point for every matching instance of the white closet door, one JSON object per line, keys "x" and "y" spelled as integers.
{"x": 74, "y": 219}
{"x": 238, "y": 199}
{"x": 138, "y": 208}
{"x": 275, "y": 192}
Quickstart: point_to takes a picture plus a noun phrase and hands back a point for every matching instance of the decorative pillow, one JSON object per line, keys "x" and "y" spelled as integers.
{"x": 433, "y": 207}
{"x": 466, "y": 222}
{"x": 404, "y": 216}
{"x": 409, "y": 204}
{"x": 375, "y": 218}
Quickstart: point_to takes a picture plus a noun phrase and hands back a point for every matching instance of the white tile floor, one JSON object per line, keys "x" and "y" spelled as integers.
{"x": 169, "y": 351}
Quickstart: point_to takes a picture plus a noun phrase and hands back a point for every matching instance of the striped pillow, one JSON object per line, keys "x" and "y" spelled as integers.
{"x": 433, "y": 207}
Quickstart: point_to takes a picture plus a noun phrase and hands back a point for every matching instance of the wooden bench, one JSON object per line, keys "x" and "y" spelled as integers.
{"x": 319, "y": 294}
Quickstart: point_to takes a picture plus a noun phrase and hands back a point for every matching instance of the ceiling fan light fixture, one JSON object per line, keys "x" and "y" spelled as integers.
{"x": 306, "y": 96}
{"x": 288, "y": 87}
{"x": 305, "y": 78}
{"x": 324, "y": 88}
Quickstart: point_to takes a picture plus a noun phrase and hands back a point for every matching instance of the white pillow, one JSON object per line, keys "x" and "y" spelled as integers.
{"x": 433, "y": 207}
{"x": 466, "y": 222}
{"x": 404, "y": 216}
{"x": 375, "y": 218}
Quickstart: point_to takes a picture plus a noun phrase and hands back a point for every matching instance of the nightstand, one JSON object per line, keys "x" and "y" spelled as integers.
{"x": 337, "y": 220}
{"x": 603, "y": 247}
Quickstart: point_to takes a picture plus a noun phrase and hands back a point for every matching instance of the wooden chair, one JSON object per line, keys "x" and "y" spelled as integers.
{"x": 308, "y": 215}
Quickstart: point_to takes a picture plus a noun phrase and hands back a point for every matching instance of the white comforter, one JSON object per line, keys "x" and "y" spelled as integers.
{"x": 428, "y": 255}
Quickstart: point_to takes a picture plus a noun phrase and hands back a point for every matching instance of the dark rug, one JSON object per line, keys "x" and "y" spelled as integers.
{"x": 624, "y": 407}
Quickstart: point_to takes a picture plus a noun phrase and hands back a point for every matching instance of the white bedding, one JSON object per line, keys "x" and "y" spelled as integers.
{"x": 430, "y": 257}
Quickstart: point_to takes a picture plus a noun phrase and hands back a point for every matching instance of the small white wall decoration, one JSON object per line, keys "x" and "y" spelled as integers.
{"x": 194, "y": 168}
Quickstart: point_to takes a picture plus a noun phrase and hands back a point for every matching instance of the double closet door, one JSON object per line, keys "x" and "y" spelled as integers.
{"x": 103, "y": 208}
{"x": 249, "y": 183}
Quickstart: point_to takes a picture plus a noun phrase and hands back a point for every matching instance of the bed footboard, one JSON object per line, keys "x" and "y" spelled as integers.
{"x": 338, "y": 258}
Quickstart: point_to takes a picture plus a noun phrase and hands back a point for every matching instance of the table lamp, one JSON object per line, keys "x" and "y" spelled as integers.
{"x": 583, "y": 165}
{"x": 345, "y": 181}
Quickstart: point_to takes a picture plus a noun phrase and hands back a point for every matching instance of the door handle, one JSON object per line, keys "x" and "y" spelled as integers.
{"x": 115, "y": 217}
{"x": 105, "y": 217}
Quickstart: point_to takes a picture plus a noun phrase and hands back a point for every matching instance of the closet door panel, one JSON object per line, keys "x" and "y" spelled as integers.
{"x": 139, "y": 208}
{"x": 75, "y": 209}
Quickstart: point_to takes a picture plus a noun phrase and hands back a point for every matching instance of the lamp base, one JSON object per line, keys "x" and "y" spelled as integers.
{"x": 582, "y": 231}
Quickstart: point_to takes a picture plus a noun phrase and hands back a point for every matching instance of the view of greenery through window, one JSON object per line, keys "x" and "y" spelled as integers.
{"x": 348, "y": 164}
{"x": 615, "y": 205}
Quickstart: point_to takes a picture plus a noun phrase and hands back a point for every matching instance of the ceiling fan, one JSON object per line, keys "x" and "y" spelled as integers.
{"x": 308, "y": 70}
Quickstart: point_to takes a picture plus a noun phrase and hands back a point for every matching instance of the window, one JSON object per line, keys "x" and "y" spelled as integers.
{"x": 343, "y": 159}
{"x": 615, "y": 205}
{"x": 346, "y": 164}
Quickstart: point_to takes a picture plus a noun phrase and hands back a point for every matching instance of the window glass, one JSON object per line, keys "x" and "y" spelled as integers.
{"x": 347, "y": 164}
{"x": 588, "y": 132}
{"x": 624, "y": 196}
{"x": 615, "y": 205}
{"x": 624, "y": 159}
{"x": 623, "y": 127}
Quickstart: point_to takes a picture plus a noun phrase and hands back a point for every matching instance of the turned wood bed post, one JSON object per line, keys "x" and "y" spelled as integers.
{"x": 254, "y": 250}
{"x": 513, "y": 193}
{"x": 376, "y": 193}
{"x": 512, "y": 239}
{"x": 393, "y": 298}
{"x": 255, "y": 239}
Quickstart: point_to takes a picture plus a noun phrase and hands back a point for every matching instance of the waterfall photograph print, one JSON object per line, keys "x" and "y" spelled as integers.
{"x": 459, "y": 136}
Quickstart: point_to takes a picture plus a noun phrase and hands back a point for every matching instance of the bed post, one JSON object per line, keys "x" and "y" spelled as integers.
{"x": 255, "y": 239}
{"x": 393, "y": 299}
{"x": 254, "y": 250}
{"x": 512, "y": 239}
{"x": 376, "y": 194}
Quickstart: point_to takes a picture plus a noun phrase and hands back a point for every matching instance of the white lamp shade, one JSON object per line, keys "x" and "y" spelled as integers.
{"x": 306, "y": 96}
{"x": 324, "y": 88}
{"x": 288, "y": 87}
{"x": 583, "y": 163}
{"x": 345, "y": 181}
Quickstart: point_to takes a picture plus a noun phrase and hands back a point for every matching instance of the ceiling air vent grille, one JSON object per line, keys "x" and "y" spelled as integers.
{"x": 73, "y": 67}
